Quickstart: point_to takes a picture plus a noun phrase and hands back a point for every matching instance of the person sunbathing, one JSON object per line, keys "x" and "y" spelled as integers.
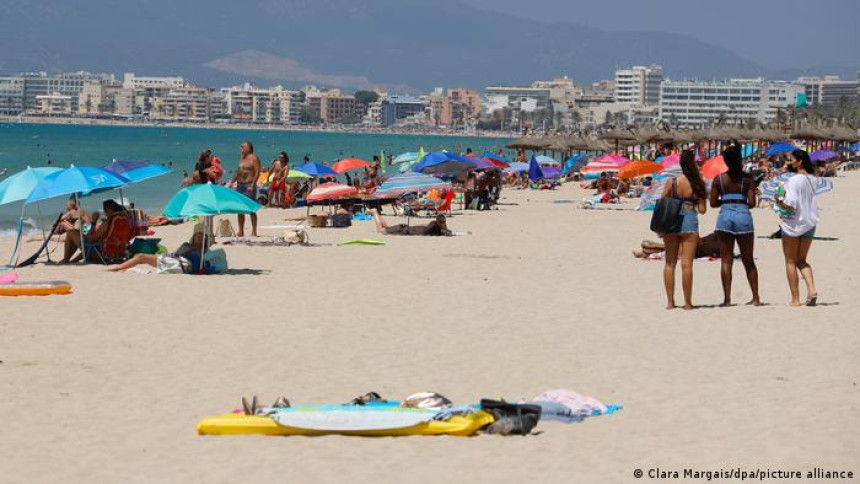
{"x": 708, "y": 246}
{"x": 190, "y": 250}
{"x": 438, "y": 227}
{"x": 112, "y": 234}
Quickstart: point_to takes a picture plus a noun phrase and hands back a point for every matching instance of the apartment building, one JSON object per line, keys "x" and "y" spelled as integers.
{"x": 829, "y": 90}
{"x": 638, "y": 85}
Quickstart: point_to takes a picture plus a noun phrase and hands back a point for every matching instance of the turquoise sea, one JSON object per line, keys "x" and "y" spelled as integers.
{"x": 23, "y": 145}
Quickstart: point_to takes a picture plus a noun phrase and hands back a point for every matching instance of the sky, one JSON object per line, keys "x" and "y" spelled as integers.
{"x": 778, "y": 34}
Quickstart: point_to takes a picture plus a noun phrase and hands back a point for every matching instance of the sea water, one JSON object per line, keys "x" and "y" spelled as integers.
{"x": 35, "y": 145}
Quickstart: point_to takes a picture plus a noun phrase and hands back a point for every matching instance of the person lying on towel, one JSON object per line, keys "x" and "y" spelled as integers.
{"x": 189, "y": 251}
{"x": 437, "y": 227}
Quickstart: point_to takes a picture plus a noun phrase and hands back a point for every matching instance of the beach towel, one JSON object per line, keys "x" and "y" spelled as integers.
{"x": 362, "y": 242}
{"x": 579, "y": 405}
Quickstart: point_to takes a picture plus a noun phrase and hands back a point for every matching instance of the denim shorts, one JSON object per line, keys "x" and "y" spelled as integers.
{"x": 809, "y": 234}
{"x": 735, "y": 219}
{"x": 689, "y": 221}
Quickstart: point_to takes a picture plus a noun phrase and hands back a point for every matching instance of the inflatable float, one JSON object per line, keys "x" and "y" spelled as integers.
{"x": 368, "y": 421}
{"x": 36, "y": 288}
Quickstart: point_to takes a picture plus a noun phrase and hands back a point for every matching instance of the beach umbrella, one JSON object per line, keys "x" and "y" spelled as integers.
{"x": 619, "y": 159}
{"x": 331, "y": 191}
{"x": 546, "y": 161}
{"x": 598, "y": 166}
{"x": 768, "y": 188}
{"x": 443, "y": 163}
{"x": 535, "y": 172}
{"x": 822, "y": 155}
{"x": 17, "y": 187}
{"x": 517, "y": 167}
{"x": 136, "y": 171}
{"x": 550, "y": 172}
{"x": 297, "y": 175}
{"x": 407, "y": 157}
{"x": 714, "y": 167}
{"x": 313, "y": 168}
{"x": 496, "y": 158}
{"x": 75, "y": 181}
{"x": 480, "y": 163}
{"x": 204, "y": 200}
{"x": 639, "y": 168}
{"x": 611, "y": 160}
{"x": 854, "y": 147}
{"x": 405, "y": 183}
{"x": 207, "y": 201}
{"x": 671, "y": 160}
{"x": 779, "y": 148}
{"x": 570, "y": 164}
{"x": 349, "y": 164}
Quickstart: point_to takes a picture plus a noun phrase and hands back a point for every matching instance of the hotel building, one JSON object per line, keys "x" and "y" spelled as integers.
{"x": 697, "y": 103}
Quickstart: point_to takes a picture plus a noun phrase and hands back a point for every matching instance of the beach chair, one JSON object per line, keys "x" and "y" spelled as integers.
{"x": 113, "y": 249}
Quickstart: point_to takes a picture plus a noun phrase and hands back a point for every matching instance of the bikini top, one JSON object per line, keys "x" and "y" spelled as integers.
{"x": 675, "y": 193}
{"x": 730, "y": 198}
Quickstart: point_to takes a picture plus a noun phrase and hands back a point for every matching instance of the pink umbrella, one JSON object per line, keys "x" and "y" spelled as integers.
{"x": 600, "y": 166}
{"x": 670, "y": 160}
{"x": 614, "y": 160}
{"x": 331, "y": 191}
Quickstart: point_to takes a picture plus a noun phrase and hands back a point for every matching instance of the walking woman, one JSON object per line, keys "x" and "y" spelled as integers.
{"x": 689, "y": 188}
{"x": 798, "y": 227}
{"x": 734, "y": 193}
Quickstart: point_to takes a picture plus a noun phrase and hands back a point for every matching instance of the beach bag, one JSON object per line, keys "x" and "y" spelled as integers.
{"x": 316, "y": 221}
{"x": 225, "y": 229}
{"x": 296, "y": 237}
{"x": 168, "y": 264}
{"x": 512, "y": 418}
{"x": 341, "y": 220}
{"x": 144, "y": 246}
{"x": 666, "y": 218}
{"x": 217, "y": 261}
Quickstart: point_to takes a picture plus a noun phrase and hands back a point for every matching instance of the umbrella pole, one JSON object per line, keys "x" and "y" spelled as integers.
{"x": 83, "y": 243}
{"x": 13, "y": 258}
{"x": 42, "y": 225}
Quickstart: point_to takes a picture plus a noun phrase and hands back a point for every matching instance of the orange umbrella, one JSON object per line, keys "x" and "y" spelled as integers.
{"x": 639, "y": 168}
{"x": 349, "y": 164}
{"x": 714, "y": 166}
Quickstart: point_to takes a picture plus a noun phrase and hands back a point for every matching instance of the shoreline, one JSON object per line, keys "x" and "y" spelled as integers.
{"x": 339, "y": 129}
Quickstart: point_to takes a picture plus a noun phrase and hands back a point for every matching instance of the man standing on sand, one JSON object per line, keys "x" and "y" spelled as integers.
{"x": 245, "y": 182}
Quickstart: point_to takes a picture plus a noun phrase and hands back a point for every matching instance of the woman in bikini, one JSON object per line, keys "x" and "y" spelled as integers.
{"x": 734, "y": 193}
{"x": 690, "y": 189}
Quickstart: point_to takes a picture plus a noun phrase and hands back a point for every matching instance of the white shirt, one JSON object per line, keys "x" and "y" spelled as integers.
{"x": 800, "y": 195}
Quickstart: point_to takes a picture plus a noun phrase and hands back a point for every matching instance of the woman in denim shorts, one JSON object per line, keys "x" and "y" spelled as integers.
{"x": 734, "y": 193}
{"x": 690, "y": 189}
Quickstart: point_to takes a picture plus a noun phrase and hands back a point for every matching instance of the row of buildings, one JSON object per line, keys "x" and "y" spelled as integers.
{"x": 635, "y": 94}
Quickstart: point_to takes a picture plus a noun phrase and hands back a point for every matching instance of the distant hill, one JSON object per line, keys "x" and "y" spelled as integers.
{"x": 343, "y": 43}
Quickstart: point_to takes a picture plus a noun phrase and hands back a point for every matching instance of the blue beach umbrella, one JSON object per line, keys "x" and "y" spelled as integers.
{"x": 313, "y": 168}
{"x": 779, "y": 148}
{"x": 854, "y": 147}
{"x": 535, "y": 172}
{"x": 75, "y": 181}
{"x": 405, "y": 183}
{"x": 208, "y": 200}
{"x": 443, "y": 163}
{"x": 517, "y": 167}
{"x": 407, "y": 157}
{"x": 136, "y": 171}
{"x": 18, "y": 187}
{"x": 570, "y": 164}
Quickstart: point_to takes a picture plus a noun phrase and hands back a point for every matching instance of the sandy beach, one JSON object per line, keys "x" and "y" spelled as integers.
{"x": 107, "y": 384}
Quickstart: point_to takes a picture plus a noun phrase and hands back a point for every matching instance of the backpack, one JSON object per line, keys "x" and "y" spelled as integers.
{"x": 341, "y": 220}
{"x": 666, "y": 218}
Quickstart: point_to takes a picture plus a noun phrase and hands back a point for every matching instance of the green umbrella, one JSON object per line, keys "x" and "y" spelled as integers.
{"x": 207, "y": 200}
{"x": 297, "y": 175}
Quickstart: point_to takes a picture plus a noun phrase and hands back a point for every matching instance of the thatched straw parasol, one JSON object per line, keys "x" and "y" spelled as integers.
{"x": 527, "y": 144}
{"x": 844, "y": 133}
{"x": 809, "y": 133}
{"x": 619, "y": 134}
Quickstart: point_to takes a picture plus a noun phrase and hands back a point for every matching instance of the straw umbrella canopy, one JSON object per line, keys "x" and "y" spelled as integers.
{"x": 844, "y": 133}
{"x": 809, "y": 133}
{"x": 526, "y": 144}
{"x": 774, "y": 136}
{"x": 619, "y": 134}
{"x": 561, "y": 145}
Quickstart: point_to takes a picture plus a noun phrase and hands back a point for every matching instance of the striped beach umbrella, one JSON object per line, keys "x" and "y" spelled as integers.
{"x": 405, "y": 183}
{"x": 331, "y": 191}
{"x": 768, "y": 189}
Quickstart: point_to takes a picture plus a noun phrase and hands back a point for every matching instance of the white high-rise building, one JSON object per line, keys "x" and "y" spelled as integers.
{"x": 828, "y": 89}
{"x": 734, "y": 100}
{"x": 639, "y": 85}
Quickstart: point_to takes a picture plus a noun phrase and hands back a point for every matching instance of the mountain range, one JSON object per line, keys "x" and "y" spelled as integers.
{"x": 401, "y": 45}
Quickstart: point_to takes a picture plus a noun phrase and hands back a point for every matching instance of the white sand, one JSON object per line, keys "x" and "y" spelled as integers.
{"x": 106, "y": 385}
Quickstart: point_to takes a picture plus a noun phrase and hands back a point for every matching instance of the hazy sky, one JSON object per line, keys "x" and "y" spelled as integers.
{"x": 775, "y": 33}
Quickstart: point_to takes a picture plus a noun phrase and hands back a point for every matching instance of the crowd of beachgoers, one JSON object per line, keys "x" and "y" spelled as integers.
{"x": 677, "y": 181}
